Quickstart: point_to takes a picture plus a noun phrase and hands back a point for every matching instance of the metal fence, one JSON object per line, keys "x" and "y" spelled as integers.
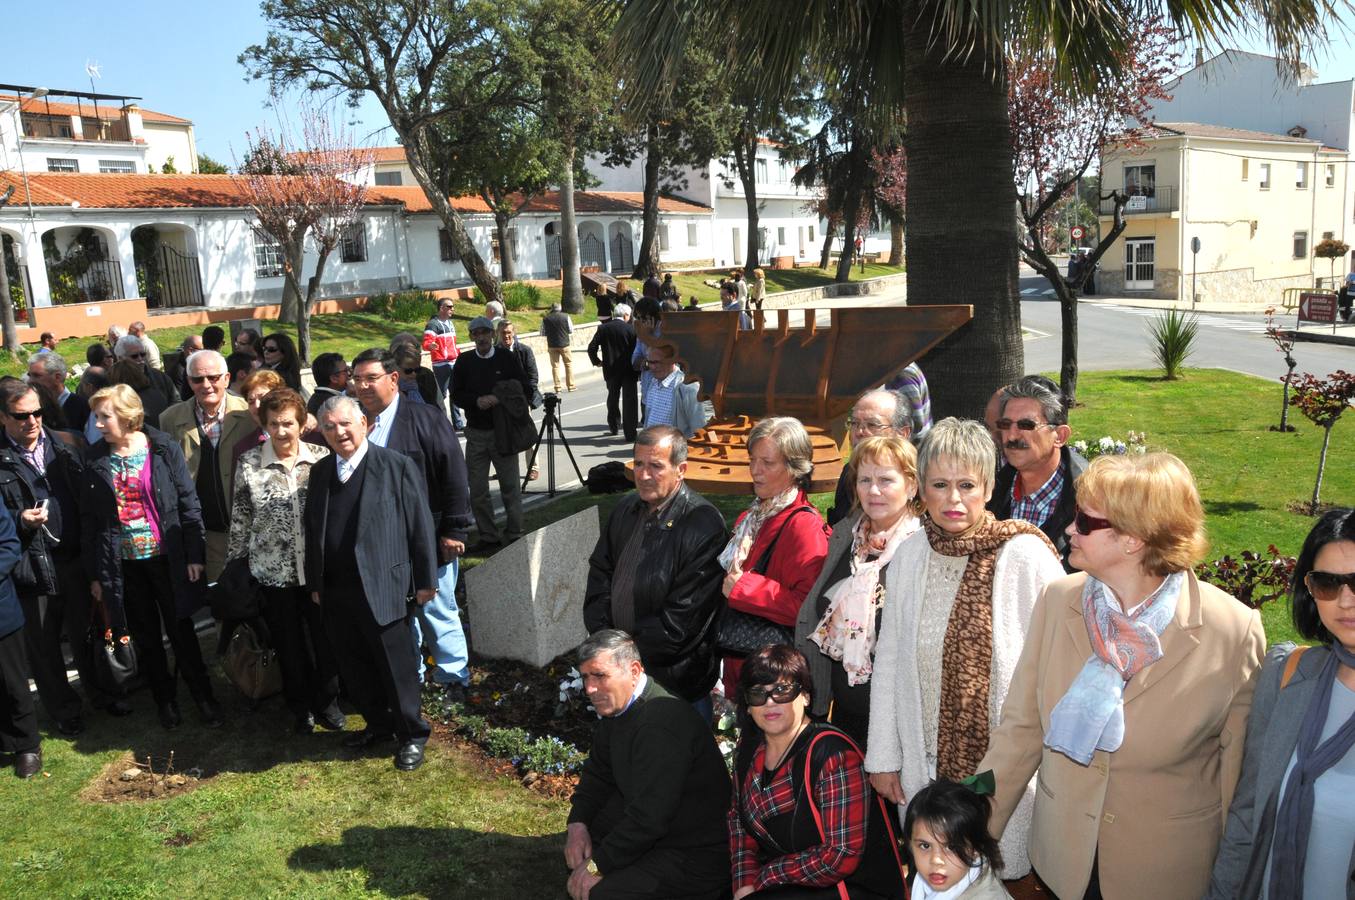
{"x": 172, "y": 280}
{"x": 85, "y": 281}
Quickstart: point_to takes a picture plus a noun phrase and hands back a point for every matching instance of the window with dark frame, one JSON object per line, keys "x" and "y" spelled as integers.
{"x": 446, "y": 249}
{"x": 1300, "y": 245}
{"x": 389, "y": 179}
{"x": 268, "y": 258}
{"x": 354, "y": 248}
{"x": 62, "y": 164}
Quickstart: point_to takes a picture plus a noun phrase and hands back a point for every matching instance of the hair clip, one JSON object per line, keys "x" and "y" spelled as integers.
{"x": 983, "y": 783}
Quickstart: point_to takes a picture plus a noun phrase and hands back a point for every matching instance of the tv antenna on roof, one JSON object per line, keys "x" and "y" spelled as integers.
{"x": 92, "y": 70}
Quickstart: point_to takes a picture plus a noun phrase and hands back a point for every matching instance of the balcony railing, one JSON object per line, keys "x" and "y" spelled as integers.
{"x": 1159, "y": 199}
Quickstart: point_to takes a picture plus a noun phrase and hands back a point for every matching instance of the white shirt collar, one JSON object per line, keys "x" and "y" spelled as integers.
{"x": 488, "y": 355}
{"x": 306, "y": 452}
{"x": 346, "y": 466}
{"x": 924, "y": 891}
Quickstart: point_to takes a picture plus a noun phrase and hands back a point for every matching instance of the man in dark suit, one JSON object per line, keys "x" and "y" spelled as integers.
{"x": 615, "y": 338}
{"x": 369, "y": 547}
{"x": 424, "y": 434}
{"x": 48, "y": 370}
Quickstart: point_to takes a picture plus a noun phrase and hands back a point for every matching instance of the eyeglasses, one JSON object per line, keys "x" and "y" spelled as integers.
{"x": 1326, "y": 586}
{"x": 368, "y": 380}
{"x": 410, "y": 371}
{"x": 1086, "y": 524}
{"x": 23, "y": 416}
{"x": 870, "y": 426}
{"x": 271, "y": 349}
{"x": 141, "y": 355}
{"x": 199, "y": 379}
{"x": 781, "y": 692}
{"x": 1023, "y": 424}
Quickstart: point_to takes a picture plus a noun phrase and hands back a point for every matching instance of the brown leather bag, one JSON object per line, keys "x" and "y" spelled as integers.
{"x": 252, "y": 665}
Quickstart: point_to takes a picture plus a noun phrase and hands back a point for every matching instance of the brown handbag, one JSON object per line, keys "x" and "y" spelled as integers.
{"x": 252, "y": 665}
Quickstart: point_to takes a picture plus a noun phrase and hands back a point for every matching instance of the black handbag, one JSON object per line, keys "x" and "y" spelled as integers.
{"x": 742, "y": 633}
{"x": 113, "y": 652}
{"x": 236, "y": 594}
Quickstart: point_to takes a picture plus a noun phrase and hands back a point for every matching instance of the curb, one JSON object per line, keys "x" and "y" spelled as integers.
{"x": 1316, "y": 337}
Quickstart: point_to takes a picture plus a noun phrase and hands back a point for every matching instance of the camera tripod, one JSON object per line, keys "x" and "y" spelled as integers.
{"x": 550, "y": 429}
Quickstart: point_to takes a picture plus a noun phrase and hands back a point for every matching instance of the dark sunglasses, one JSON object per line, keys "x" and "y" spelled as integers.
{"x": 1327, "y": 586}
{"x": 136, "y": 355}
{"x": 781, "y": 692}
{"x": 199, "y": 379}
{"x": 271, "y": 349}
{"x": 1086, "y": 524}
{"x": 410, "y": 371}
{"x": 24, "y": 416}
{"x": 1023, "y": 424}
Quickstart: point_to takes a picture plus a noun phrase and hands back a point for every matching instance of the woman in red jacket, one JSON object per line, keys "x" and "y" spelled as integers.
{"x": 778, "y": 547}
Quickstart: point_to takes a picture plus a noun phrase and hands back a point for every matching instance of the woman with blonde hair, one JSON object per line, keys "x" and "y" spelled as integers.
{"x": 757, "y": 291}
{"x": 777, "y": 549}
{"x": 1131, "y": 696}
{"x": 839, "y": 621}
{"x": 960, "y": 593}
{"x": 144, "y": 547}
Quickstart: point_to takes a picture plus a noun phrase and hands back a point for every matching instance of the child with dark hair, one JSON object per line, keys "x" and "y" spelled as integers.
{"x": 950, "y": 853}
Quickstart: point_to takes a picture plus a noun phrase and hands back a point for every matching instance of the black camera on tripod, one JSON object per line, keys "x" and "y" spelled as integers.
{"x": 550, "y": 401}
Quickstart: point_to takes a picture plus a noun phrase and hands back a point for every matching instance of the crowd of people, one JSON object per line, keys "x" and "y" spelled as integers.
{"x": 990, "y": 660}
{"x": 995, "y": 663}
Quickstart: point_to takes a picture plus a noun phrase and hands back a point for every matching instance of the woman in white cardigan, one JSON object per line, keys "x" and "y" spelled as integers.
{"x": 961, "y": 591}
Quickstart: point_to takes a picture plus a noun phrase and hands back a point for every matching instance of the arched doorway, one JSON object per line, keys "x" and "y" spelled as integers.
{"x": 167, "y": 272}
{"x": 621, "y": 243}
{"x": 553, "y": 258}
{"x": 592, "y": 251}
{"x": 82, "y": 264}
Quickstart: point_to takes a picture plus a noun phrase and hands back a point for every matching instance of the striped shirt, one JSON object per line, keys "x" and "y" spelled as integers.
{"x": 660, "y": 397}
{"x": 913, "y": 384}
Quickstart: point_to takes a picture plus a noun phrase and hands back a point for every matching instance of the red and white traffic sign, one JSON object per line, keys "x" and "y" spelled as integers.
{"x": 1317, "y": 308}
{"x": 1078, "y": 232}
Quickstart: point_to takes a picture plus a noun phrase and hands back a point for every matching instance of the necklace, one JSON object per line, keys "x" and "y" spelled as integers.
{"x": 781, "y": 757}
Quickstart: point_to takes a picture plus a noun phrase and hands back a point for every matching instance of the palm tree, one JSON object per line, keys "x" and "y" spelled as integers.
{"x": 944, "y": 64}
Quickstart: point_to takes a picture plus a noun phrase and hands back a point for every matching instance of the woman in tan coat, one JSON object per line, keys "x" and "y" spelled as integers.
{"x": 1131, "y": 695}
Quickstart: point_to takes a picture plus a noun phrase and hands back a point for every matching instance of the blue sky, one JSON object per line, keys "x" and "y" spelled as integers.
{"x": 180, "y": 58}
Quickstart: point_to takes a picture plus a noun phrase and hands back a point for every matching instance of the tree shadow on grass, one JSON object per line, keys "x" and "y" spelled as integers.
{"x": 1227, "y": 507}
{"x": 401, "y": 861}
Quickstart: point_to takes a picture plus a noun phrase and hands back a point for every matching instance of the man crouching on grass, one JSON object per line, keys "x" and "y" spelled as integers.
{"x": 648, "y": 817}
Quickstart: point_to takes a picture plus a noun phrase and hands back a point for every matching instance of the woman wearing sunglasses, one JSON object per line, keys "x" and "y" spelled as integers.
{"x": 1291, "y": 831}
{"x": 804, "y": 821}
{"x": 279, "y": 354}
{"x": 1131, "y": 695}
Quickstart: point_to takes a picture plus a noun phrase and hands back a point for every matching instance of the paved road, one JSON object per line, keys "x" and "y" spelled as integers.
{"x": 1112, "y": 337}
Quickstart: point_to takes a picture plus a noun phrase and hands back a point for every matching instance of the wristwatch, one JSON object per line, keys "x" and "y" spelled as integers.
{"x": 593, "y": 869}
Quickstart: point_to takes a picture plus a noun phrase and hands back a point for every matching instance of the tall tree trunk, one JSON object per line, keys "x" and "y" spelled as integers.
{"x": 826, "y": 254}
{"x": 303, "y": 322}
{"x": 571, "y": 292}
{"x": 289, "y": 311}
{"x": 745, "y": 153}
{"x": 1067, "y": 293}
{"x": 895, "y": 240}
{"x": 457, "y": 233}
{"x": 11, "y": 334}
{"x": 1321, "y": 467}
{"x": 507, "y": 265}
{"x": 648, "y": 263}
{"x": 961, "y": 238}
{"x": 846, "y": 257}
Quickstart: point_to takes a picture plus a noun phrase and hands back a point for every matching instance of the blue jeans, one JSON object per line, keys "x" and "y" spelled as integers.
{"x": 443, "y": 374}
{"x": 439, "y": 625}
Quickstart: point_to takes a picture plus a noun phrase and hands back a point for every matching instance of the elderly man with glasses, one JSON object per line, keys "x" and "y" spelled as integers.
{"x": 877, "y": 413}
{"x": 206, "y": 428}
{"x": 1035, "y": 484}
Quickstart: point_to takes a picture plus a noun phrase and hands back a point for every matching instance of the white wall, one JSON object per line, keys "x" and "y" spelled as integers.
{"x": 164, "y": 140}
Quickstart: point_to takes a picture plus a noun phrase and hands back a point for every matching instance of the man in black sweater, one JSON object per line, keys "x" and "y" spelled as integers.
{"x": 615, "y": 341}
{"x": 473, "y": 379}
{"x": 648, "y": 816}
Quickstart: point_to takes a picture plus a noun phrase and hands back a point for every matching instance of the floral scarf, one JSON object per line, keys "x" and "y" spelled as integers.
{"x": 847, "y": 631}
{"x": 736, "y": 551}
{"x": 967, "y": 657}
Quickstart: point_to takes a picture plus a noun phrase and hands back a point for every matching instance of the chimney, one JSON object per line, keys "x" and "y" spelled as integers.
{"x": 1199, "y": 57}
{"x": 131, "y": 114}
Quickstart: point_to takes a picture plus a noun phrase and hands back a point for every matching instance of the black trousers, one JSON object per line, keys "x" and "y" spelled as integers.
{"x": 664, "y": 873}
{"x": 48, "y": 618}
{"x": 18, "y": 721}
{"x": 310, "y": 676}
{"x": 148, "y": 599}
{"x": 623, "y": 403}
{"x": 380, "y": 667}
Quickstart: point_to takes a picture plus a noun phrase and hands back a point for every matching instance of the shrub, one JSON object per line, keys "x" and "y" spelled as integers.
{"x": 517, "y": 295}
{"x": 1252, "y": 578}
{"x": 1173, "y": 334}
{"x": 1134, "y": 443}
{"x": 506, "y": 743}
{"x": 1322, "y": 400}
{"x": 405, "y": 306}
{"x": 551, "y": 756}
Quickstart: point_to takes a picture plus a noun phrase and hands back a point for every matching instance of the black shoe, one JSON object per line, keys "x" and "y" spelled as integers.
{"x": 454, "y": 692}
{"x": 484, "y": 548}
{"x": 303, "y": 724}
{"x": 409, "y": 757}
{"x": 118, "y": 708}
{"x": 29, "y": 763}
{"x": 71, "y": 727}
{"x": 331, "y": 721}
{"x": 210, "y": 711}
{"x": 170, "y": 718}
{"x": 361, "y": 740}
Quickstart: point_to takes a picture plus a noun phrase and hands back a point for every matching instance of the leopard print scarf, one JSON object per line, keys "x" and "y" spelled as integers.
{"x": 967, "y": 657}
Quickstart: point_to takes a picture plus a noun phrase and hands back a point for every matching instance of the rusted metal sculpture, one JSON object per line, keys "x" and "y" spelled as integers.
{"x": 792, "y": 367}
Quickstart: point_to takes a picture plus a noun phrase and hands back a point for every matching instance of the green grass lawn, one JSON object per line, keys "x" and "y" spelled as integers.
{"x": 351, "y": 333}
{"x": 293, "y": 817}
